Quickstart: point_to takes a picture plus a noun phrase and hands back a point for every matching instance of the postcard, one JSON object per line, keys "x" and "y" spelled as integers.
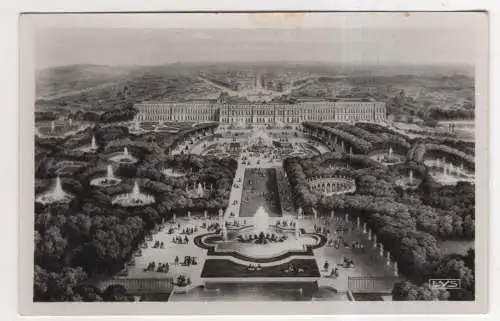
{"x": 253, "y": 163}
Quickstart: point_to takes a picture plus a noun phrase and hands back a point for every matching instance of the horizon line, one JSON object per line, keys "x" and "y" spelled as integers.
{"x": 277, "y": 62}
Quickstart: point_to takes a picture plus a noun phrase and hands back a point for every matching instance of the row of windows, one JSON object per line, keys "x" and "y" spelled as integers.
{"x": 265, "y": 120}
{"x": 300, "y": 111}
{"x": 315, "y": 116}
{"x": 257, "y": 106}
{"x": 176, "y": 105}
{"x": 152, "y": 117}
{"x": 364, "y": 109}
{"x": 162, "y": 112}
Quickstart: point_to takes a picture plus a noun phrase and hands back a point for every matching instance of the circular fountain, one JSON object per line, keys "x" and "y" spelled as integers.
{"x": 260, "y": 138}
{"x": 389, "y": 158}
{"x": 133, "y": 199}
{"x": 409, "y": 182}
{"x": 261, "y": 240}
{"x": 224, "y": 231}
{"x": 123, "y": 158}
{"x": 56, "y": 195}
{"x": 106, "y": 181}
{"x": 447, "y": 173}
{"x": 90, "y": 148}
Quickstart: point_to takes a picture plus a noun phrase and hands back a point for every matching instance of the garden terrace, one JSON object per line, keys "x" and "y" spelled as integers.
{"x": 457, "y": 155}
{"x": 338, "y": 161}
{"x": 185, "y": 134}
{"x": 328, "y": 134}
{"x": 395, "y": 141}
{"x": 463, "y": 146}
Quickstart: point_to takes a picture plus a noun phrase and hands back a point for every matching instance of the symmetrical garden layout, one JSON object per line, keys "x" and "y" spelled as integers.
{"x": 362, "y": 209}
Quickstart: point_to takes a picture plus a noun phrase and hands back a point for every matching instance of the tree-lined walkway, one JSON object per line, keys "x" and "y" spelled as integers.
{"x": 284, "y": 191}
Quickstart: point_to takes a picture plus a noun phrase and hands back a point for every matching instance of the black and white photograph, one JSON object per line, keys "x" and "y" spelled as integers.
{"x": 324, "y": 158}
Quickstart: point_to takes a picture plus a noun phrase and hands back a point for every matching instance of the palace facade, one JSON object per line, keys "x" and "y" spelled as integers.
{"x": 263, "y": 113}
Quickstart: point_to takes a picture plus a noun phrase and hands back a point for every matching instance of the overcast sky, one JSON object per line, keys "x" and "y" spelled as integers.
{"x": 147, "y": 46}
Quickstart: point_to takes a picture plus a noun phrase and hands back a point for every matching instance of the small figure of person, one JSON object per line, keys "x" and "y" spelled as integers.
{"x": 334, "y": 273}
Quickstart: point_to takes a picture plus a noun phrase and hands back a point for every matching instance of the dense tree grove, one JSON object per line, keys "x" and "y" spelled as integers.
{"x": 89, "y": 237}
{"x": 455, "y": 266}
{"x": 357, "y": 131}
{"x": 356, "y": 142}
{"x": 45, "y": 116}
{"x": 439, "y": 113}
{"x": 409, "y": 223}
{"x": 377, "y": 129}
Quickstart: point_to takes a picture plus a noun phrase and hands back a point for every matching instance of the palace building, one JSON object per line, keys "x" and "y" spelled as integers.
{"x": 263, "y": 113}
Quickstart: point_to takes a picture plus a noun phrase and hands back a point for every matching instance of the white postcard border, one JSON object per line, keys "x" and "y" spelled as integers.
{"x": 26, "y": 177}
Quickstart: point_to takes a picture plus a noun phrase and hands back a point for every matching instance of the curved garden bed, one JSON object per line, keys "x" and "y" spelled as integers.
{"x": 198, "y": 241}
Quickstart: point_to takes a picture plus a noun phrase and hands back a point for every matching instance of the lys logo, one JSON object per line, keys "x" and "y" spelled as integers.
{"x": 445, "y": 284}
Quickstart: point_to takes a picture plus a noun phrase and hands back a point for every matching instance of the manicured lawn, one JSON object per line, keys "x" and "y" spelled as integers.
{"x": 228, "y": 269}
{"x": 260, "y": 189}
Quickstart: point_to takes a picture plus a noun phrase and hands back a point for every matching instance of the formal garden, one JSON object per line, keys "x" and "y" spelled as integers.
{"x": 90, "y": 236}
{"x": 411, "y": 223}
{"x": 104, "y": 191}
